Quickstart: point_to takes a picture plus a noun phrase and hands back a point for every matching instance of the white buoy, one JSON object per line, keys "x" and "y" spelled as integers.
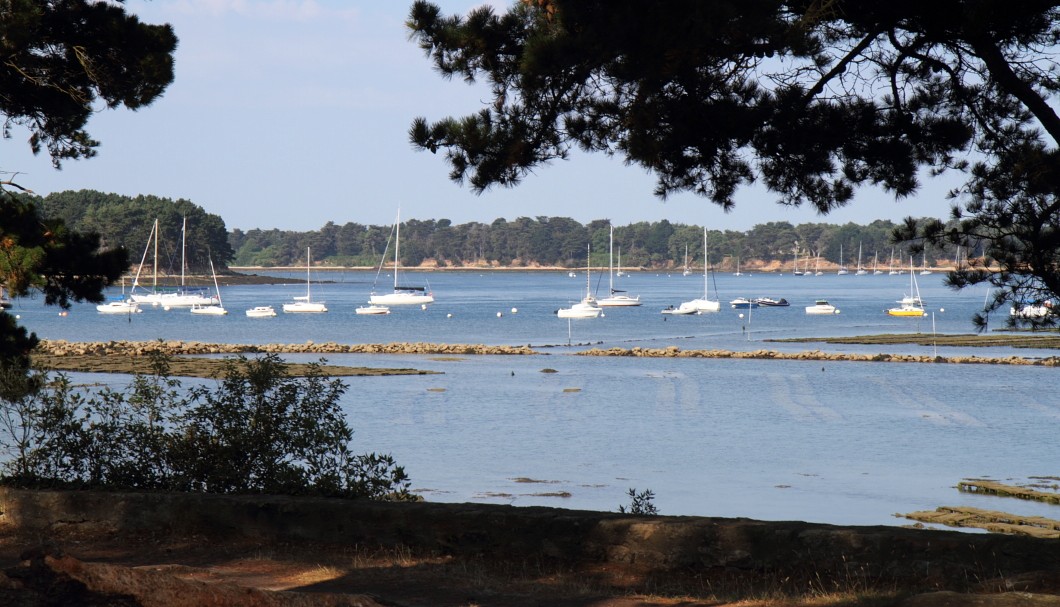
{"x": 499, "y": 314}
{"x": 514, "y": 310}
{"x": 166, "y": 308}
{"x": 449, "y": 315}
{"x": 423, "y": 306}
{"x": 942, "y": 309}
{"x": 741, "y": 315}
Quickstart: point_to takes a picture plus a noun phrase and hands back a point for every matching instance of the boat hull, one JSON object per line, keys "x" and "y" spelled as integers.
{"x": 304, "y": 307}
{"x": 580, "y": 310}
{"x": 907, "y": 312}
{"x": 119, "y": 307}
{"x": 376, "y": 310}
{"x": 209, "y": 311}
{"x": 618, "y": 300}
{"x": 261, "y": 312}
{"x": 401, "y": 299}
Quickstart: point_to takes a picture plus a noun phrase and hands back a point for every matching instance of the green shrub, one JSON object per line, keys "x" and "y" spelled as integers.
{"x": 258, "y": 430}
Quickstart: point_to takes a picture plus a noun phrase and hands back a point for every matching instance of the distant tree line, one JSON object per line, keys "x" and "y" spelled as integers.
{"x": 561, "y": 241}
{"x": 124, "y": 221}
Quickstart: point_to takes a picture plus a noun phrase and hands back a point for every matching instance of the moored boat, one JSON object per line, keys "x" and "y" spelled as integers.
{"x": 821, "y": 306}
{"x": 372, "y": 309}
{"x": 261, "y": 312}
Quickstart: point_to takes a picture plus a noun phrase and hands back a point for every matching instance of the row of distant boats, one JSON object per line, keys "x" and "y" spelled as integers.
{"x": 200, "y": 301}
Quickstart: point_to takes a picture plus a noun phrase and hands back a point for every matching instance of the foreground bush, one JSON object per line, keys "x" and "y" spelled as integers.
{"x": 258, "y": 430}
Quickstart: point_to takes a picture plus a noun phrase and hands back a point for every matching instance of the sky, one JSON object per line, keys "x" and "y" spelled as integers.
{"x": 291, "y": 113}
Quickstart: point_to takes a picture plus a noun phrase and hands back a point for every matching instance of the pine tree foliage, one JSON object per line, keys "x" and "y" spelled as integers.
{"x": 812, "y": 99}
{"x": 61, "y": 61}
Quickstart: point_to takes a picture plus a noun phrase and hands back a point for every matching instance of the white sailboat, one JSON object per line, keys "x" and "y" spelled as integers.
{"x": 705, "y": 303}
{"x": 842, "y": 269}
{"x": 890, "y": 265}
{"x": 875, "y": 264}
{"x": 617, "y": 297}
{"x": 860, "y": 270}
{"x": 217, "y": 309}
{"x": 687, "y": 270}
{"x": 587, "y": 307}
{"x": 402, "y": 295}
{"x": 618, "y": 270}
{"x": 180, "y": 298}
{"x": 795, "y": 268}
{"x": 305, "y": 303}
{"x": 924, "y": 270}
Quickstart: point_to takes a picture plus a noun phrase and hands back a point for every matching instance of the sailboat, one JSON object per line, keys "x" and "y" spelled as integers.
{"x": 842, "y": 269}
{"x": 402, "y": 295}
{"x": 182, "y": 297}
{"x": 119, "y": 305}
{"x": 618, "y": 270}
{"x": 211, "y": 309}
{"x": 925, "y": 271}
{"x": 305, "y": 303}
{"x": 704, "y": 304}
{"x": 875, "y": 264}
{"x": 617, "y": 297}
{"x": 796, "y": 271}
{"x": 687, "y": 270}
{"x": 817, "y": 265}
{"x": 587, "y": 307}
{"x": 890, "y": 265}
{"x": 737, "y": 272}
{"x": 860, "y": 271}
{"x": 911, "y": 305}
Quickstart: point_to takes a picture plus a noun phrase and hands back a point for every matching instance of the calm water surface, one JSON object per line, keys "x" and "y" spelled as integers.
{"x": 835, "y": 442}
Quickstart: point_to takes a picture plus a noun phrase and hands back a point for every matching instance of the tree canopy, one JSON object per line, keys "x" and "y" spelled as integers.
{"x": 812, "y": 99}
{"x": 61, "y": 61}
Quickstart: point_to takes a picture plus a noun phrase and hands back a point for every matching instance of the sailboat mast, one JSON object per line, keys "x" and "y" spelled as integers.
{"x": 397, "y": 245}
{"x": 588, "y": 285}
{"x": 154, "y": 280}
{"x": 183, "y": 249}
{"x": 611, "y": 262}
{"x": 705, "y": 256}
{"x": 308, "y": 262}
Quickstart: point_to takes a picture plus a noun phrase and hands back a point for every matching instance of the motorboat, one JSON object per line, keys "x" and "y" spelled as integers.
{"x": 402, "y": 295}
{"x": 1040, "y": 310}
{"x": 261, "y": 312}
{"x": 119, "y": 307}
{"x": 617, "y": 297}
{"x": 305, "y": 303}
{"x": 681, "y": 310}
{"x": 822, "y": 306}
{"x": 742, "y": 303}
{"x": 373, "y": 309}
{"x": 769, "y": 302}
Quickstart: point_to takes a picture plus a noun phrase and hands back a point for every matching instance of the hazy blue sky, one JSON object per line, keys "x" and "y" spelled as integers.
{"x": 290, "y": 113}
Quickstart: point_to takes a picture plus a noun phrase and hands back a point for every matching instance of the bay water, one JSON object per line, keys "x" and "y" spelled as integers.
{"x": 834, "y": 442}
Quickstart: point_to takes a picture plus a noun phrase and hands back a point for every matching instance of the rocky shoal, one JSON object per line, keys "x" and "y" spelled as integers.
{"x": 62, "y": 347}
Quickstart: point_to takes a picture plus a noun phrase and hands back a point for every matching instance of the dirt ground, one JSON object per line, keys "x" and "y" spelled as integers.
{"x": 196, "y": 570}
